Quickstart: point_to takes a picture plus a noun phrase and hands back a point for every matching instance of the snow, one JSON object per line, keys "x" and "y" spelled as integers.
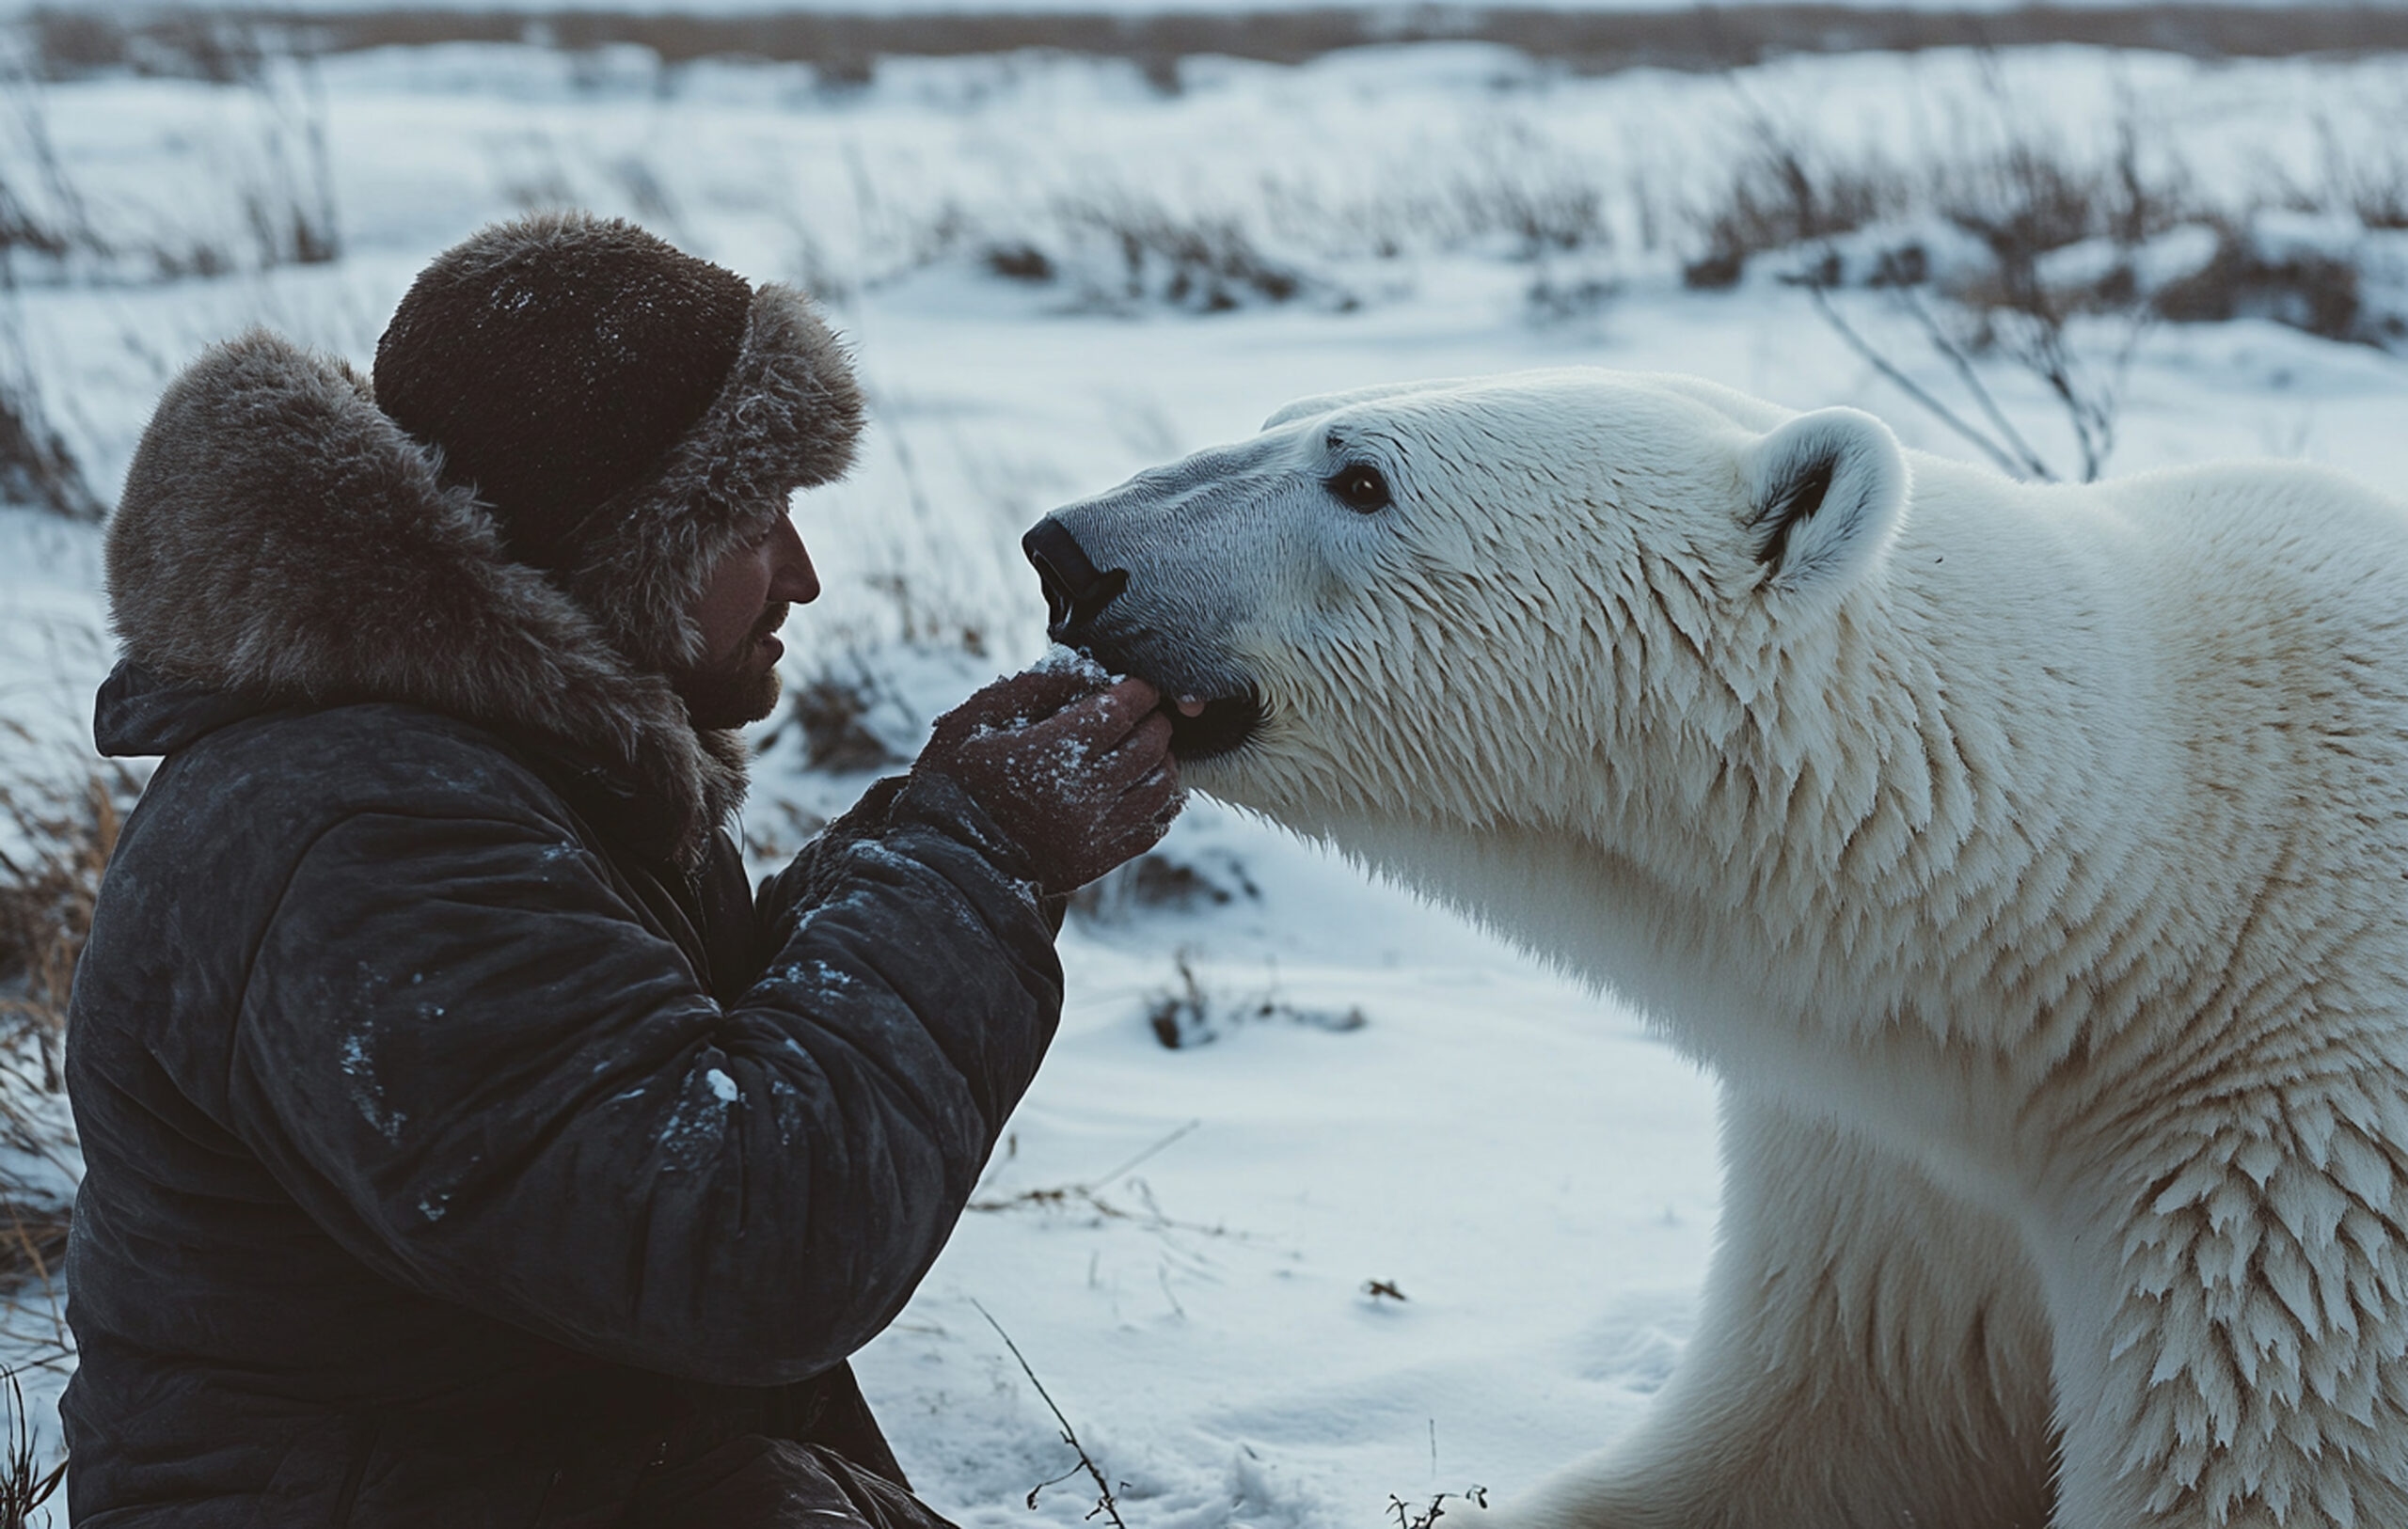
{"x": 1453, "y": 1246}
{"x": 1531, "y": 1172}
{"x": 1057, "y": 659}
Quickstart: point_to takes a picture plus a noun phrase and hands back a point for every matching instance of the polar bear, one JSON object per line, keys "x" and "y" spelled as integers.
{"x": 2031, "y": 863}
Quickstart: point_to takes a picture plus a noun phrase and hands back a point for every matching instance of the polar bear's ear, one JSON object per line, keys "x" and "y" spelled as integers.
{"x": 1827, "y": 492}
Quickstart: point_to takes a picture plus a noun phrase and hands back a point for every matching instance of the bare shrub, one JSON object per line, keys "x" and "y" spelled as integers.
{"x": 1200, "y": 262}
{"x": 2290, "y": 257}
{"x": 281, "y": 186}
{"x": 42, "y": 214}
{"x": 1120, "y": 248}
{"x": 1971, "y": 257}
{"x": 648, "y": 194}
{"x": 1086, "y": 1197}
{"x": 1017, "y": 261}
{"x": 1191, "y": 1014}
{"x": 1585, "y": 39}
{"x": 71, "y": 44}
{"x": 1527, "y": 190}
{"x": 2033, "y": 197}
{"x": 2305, "y": 289}
{"x": 220, "y": 47}
{"x": 1559, "y": 295}
{"x": 289, "y": 203}
{"x": 2383, "y": 203}
{"x": 1105, "y": 1502}
{"x": 1428, "y": 1515}
{"x": 530, "y": 173}
{"x": 2085, "y": 381}
{"x": 58, "y": 836}
{"x": 25, "y": 1485}
{"x": 1521, "y": 198}
{"x": 2026, "y": 202}
{"x": 830, "y": 713}
{"x": 925, "y": 620}
{"x": 1785, "y": 193}
{"x": 1542, "y": 218}
{"x": 25, "y": 230}
{"x": 38, "y": 467}
{"x": 1160, "y": 882}
{"x": 2367, "y": 182}
{"x": 283, "y": 193}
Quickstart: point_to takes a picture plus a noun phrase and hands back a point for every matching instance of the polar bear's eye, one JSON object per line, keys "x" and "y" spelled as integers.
{"x": 1360, "y": 487}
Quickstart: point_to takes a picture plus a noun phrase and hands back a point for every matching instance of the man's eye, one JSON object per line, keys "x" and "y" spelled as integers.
{"x": 1360, "y": 487}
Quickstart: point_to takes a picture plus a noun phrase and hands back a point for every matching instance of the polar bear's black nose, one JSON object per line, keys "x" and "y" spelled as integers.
{"x": 1075, "y": 590}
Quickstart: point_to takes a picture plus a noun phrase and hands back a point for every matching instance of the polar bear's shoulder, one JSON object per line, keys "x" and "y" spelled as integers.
{"x": 2268, "y": 481}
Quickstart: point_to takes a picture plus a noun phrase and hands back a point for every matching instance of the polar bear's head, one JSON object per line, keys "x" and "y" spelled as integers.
{"x": 1475, "y": 598}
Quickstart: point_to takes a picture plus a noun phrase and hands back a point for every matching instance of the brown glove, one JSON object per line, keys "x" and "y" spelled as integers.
{"x": 1074, "y": 767}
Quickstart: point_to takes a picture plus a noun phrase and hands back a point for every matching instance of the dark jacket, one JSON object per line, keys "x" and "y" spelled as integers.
{"x": 461, "y": 1137}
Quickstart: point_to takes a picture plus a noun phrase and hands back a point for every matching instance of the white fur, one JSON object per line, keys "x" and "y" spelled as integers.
{"x": 2029, "y": 862}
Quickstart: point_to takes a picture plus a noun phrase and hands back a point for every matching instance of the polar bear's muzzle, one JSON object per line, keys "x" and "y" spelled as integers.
{"x": 1085, "y": 609}
{"x": 1076, "y": 590}
{"x": 1223, "y": 724}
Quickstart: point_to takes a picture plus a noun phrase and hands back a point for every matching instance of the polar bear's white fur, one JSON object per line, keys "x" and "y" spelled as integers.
{"x": 2030, "y": 862}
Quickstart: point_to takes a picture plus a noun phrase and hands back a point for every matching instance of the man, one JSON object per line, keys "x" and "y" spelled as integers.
{"x": 466, "y": 1144}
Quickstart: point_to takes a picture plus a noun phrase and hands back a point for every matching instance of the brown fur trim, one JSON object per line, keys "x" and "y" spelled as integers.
{"x": 281, "y": 537}
{"x": 788, "y": 418}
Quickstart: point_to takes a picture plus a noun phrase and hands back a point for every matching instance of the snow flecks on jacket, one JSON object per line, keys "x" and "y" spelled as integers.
{"x": 359, "y": 1059}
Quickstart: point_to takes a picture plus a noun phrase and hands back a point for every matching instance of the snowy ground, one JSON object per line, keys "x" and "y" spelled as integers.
{"x": 1511, "y": 1155}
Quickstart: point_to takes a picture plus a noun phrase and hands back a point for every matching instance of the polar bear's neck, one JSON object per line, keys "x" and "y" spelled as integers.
{"x": 1884, "y": 824}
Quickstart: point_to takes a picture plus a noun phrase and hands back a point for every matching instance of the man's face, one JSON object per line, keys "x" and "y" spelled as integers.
{"x": 740, "y": 610}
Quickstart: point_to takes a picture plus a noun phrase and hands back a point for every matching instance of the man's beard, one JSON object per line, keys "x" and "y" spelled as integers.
{"x": 738, "y": 689}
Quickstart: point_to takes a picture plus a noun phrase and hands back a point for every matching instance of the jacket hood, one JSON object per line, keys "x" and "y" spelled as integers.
{"x": 137, "y": 713}
{"x": 281, "y": 539}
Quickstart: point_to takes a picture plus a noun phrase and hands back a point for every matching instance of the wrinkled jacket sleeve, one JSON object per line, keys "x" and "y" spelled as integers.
{"x": 463, "y": 1052}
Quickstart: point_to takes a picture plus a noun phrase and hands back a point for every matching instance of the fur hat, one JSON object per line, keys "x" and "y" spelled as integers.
{"x": 630, "y": 413}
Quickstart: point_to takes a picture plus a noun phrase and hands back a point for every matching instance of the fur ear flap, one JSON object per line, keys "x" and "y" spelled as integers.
{"x": 1828, "y": 490}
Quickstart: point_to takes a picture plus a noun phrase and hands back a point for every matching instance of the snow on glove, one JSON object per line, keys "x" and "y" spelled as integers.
{"x": 1074, "y": 765}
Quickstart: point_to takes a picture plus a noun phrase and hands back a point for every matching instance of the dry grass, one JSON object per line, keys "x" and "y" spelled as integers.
{"x": 2024, "y": 197}
{"x": 43, "y": 222}
{"x": 1199, "y": 264}
{"x": 24, "y": 1485}
{"x": 1087, "y": 1197}
{"x": 58, "y": 840}
{"x": 211, "y": 43}
{"x": 830, "y": 712}
{"x": 1427, "y": 1516}
{"x": 49, "y": 880}
{"x": 282, "y": 199}
{"x": 1106, "y": 1503}
{"x": 2040, "y": 260}
{"x": 1832, "y": 220}
{"x": 37, "y": 465}
{"x": 1193, "y": 1013}
{"x": 1785, "y": 193}
{"x": 2308, "y": 290}
{"x": 1159, "y": 882}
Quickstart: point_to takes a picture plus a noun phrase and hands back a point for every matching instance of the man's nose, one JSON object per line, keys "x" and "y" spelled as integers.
{"x": 793, "y": 580}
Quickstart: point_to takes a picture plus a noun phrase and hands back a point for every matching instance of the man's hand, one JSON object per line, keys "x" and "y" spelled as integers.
{"x": 1076, "y": 768}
